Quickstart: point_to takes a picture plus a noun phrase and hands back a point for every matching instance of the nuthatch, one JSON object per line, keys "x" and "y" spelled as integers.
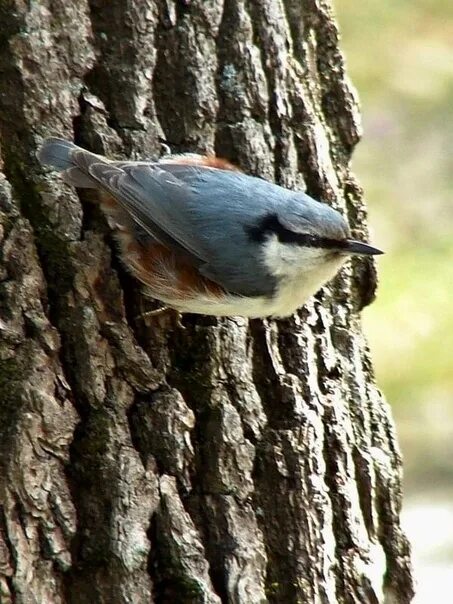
{"x": 205, "y": 238}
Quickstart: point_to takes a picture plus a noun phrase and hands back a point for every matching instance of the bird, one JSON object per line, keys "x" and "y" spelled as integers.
{"x": 204, "y": 237}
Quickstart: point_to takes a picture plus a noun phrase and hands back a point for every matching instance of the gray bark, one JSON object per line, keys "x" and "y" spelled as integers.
{"x": 222, "y": 461}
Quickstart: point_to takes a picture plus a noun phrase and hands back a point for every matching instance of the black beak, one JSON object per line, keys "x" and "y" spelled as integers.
{"x": 360, "y": 248}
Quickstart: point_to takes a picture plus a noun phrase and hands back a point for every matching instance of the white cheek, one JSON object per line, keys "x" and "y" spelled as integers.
{"x": 301, "y": 272}
{"x": 290, "y": 260}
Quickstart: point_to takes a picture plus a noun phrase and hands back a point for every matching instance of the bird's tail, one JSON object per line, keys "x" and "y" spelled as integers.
{"x": 71, "y": 160}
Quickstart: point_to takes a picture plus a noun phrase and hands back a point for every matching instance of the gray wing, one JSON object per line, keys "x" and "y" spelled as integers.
{"x": 156, "y": 201}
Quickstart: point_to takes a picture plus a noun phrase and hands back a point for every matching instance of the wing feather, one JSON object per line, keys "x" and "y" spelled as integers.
{"x": 156, "y": 200}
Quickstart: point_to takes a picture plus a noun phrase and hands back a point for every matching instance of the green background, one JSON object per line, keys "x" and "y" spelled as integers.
{"x": 400, "y": 57}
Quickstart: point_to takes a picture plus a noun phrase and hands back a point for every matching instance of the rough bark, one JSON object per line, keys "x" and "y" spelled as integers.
{"x": 222, "y": 461}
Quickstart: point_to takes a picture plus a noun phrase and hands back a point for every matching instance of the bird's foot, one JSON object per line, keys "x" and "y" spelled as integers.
{"x": 163, "y": 315}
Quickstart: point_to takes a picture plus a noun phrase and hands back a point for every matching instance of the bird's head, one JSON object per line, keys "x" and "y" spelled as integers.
{"x": 306, "y": 237}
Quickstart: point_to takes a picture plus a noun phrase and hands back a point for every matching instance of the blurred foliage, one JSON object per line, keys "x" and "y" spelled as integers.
{"x": 400, "y": 57}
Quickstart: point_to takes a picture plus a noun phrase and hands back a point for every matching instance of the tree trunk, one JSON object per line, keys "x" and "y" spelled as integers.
{"x": 218, "y": 461}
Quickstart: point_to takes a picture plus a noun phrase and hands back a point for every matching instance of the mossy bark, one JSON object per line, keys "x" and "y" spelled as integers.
{"x": 218, "y": 461}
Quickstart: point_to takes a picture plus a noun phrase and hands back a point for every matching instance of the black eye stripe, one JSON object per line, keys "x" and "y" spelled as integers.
{"x": 270, "y": 224}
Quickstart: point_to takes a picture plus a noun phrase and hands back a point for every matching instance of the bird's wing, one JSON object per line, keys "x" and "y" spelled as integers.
{"x": 155, "y": 199}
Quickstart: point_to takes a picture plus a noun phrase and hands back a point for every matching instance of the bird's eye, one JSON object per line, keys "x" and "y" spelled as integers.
{"x": 310, "y": 239}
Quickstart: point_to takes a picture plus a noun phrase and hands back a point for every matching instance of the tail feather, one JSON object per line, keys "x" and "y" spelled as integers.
{"x": 56, "y": 152}
{"x": 73, "y": 161}
{"x": 80, "y": 168}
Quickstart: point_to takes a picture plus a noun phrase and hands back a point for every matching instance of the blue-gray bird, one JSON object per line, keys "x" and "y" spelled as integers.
{"x": 205, "y": 238}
